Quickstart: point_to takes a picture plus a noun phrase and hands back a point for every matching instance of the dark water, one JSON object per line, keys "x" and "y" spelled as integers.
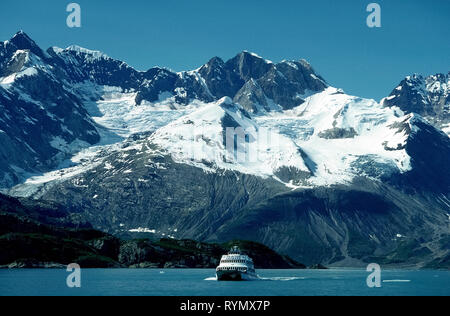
{"x": 194, "y": 282}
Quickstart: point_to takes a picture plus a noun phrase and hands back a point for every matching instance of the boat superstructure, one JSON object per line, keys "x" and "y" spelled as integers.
{"x": 236, "y": 266}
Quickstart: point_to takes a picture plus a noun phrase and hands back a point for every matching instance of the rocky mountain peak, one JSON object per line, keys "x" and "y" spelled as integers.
{"x": 215, "y": 62}
{"x": 23, "y": 42}
{"x": 249, "y": 65}
{"x": 78, "y": 50}
{"x": 281, "y": 85}
{"x": 427, "y": 96}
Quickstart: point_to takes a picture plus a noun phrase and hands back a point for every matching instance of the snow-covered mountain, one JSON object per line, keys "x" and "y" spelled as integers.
{"x": 244, "y": 148}
{"x": 427, "y": 96}
{"x": 54, "y": 95}
{"x": 42, "y": 121}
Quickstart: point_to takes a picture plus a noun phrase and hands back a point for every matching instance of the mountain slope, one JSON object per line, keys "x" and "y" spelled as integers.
{"x": 32, "y": 235}
{"x": 370, "y": 222}
{"x": 41, "y": 121}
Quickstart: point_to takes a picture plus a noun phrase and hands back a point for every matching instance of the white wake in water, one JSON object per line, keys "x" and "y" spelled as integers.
{"x": 266, "y": 279}
{"x": 281, "y": 278}
{"x": 211, "y": 279}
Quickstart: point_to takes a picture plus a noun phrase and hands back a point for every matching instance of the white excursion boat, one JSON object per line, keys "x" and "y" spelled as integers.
{"x": 235, "y": 266}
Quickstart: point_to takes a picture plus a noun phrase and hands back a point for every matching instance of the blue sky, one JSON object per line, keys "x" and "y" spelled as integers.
{"x": 184, "y": 34}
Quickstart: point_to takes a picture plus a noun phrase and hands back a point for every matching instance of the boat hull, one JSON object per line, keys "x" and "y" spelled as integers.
{"x": 234, "y": 276}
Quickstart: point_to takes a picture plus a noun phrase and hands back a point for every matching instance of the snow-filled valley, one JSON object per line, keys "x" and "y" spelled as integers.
{"x": 117, "y": 118}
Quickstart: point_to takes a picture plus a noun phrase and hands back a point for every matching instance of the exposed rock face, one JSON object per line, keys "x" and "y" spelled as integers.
{"x": 428, "y": 149}
{"x": 282, "y": 84}
{"x": 329, "y": 225}
{"x": 222, "y": 79}
{"x": 79, "y": 65}
{"x": 427, "y": 96}
{"x": 42, "y": 121}
{"x": 288, "y": 82}
{"x": 252, "y": 98}
{"x": 338, "y": 133}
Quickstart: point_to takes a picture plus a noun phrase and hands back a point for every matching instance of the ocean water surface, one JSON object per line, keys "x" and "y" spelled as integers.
{"x": 201, "y": 282}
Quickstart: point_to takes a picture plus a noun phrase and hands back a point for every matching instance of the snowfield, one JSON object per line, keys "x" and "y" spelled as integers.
{"x": 368, "y": 124}
{"x": 330, "y": 137}
{"x": 204, "y": 136}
